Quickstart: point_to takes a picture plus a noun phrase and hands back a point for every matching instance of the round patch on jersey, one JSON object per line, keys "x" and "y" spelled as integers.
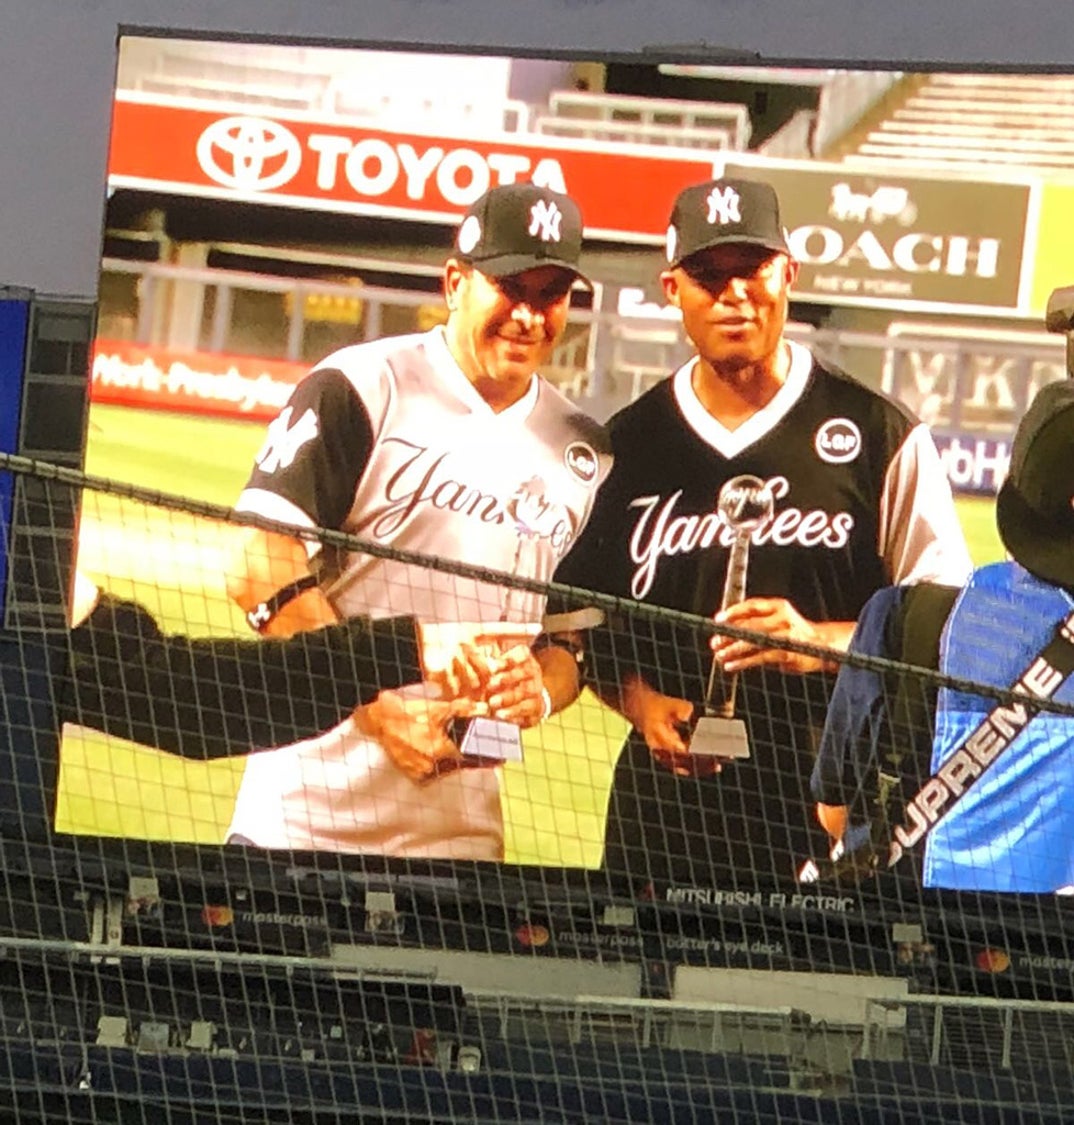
{"x": 469, "y": 234}
{"x": 672, "y": 242}
{"x": 838, "y": 441}
{"x": 581, "y": 459}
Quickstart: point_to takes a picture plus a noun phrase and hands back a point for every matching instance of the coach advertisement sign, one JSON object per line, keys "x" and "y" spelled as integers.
{"x": 877, "y": 237}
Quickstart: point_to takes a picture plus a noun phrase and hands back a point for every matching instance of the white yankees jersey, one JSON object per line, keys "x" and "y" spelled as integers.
{"x": 861, "y": 501}
{"x": 390, "y": 442}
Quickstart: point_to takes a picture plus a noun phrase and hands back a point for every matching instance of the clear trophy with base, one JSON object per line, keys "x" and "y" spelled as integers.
{"x": 484, "y": 741}
{"x": 746, "y": 505}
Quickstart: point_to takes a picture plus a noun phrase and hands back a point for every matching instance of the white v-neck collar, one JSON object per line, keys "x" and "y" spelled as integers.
{"x": 443, "y": 363}
{"x": 730, "y": 443}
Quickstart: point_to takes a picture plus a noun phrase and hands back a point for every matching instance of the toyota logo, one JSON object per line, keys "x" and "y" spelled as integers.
{"x": 249, "y": 153}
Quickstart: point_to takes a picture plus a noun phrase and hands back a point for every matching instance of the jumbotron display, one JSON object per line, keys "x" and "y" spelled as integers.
{"x": 326, "y": 310}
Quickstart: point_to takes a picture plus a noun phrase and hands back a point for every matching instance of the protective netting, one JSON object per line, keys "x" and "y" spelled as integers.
{"x": 559, "y": 926}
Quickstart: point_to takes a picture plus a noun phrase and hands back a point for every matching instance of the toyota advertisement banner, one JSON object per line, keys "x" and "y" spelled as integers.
{"x": 335, "y": 166}
{"x": 865, "y": 239}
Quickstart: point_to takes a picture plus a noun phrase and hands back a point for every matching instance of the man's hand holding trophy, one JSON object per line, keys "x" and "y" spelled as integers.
{"x": 746, "y": 504}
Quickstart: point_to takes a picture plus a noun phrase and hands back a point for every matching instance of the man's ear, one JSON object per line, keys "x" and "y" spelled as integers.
{"x": 794, "y": 267}
{"x": 669, "y": 282}
{"x": 454, "y": 272}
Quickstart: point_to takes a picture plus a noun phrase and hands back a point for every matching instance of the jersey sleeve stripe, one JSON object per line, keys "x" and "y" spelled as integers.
{"x": 261, "y": 502}
{"x": 920, "y": 533}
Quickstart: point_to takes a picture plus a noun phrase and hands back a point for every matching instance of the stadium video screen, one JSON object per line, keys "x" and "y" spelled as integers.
{"x": 271, "y": 205}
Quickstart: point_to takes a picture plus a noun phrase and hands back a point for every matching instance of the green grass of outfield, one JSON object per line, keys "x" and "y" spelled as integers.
{"x": 553, "y": 805}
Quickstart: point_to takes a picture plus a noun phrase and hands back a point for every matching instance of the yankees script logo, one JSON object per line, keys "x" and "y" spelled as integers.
{"x": 659, "y": 533}
{"x": 423, "y": 479}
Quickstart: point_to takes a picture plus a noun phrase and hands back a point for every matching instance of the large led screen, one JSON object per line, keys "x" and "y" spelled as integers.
{"x": 270, "y": 206}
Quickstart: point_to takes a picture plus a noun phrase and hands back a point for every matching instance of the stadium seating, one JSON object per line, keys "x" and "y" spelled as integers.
{"x": 1001, "y": 120}
{"x": 649, "y": 121}
{"x": 440, "y": 93}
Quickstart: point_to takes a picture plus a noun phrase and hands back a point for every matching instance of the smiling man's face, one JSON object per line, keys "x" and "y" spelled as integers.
{"x": 502, "y": 330}
{"x": 734, "y": 301}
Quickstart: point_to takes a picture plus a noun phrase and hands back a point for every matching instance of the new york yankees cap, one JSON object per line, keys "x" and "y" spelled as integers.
{"x": 1035, "y": 504}
{"x": 516, "y": 227}
{"x": 724, "y": 211}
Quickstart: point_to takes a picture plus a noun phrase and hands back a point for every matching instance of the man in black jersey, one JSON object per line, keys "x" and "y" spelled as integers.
{"x": 860, "y": 500}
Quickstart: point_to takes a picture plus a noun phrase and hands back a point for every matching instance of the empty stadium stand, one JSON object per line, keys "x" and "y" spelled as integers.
{"x": 440, "y": 93}
{"x": 648, "y": 121}
{"x": 470, "y": 99}
{"x": 259, "y": 1061}
{"x": 1000, "y": 120}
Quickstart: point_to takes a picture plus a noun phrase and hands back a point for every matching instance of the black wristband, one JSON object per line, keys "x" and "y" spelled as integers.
{"x": 263, "y": 613}
{"x": 547, "y": 641}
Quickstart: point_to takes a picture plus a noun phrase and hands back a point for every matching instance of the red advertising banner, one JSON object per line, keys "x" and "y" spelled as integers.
{"x": 229, "y": 386}
{"x": 339, "y": 167}
{"x": 865, "y": 238}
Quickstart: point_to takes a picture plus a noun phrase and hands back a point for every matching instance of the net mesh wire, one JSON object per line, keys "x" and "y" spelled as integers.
{"x": 646, "y": 947}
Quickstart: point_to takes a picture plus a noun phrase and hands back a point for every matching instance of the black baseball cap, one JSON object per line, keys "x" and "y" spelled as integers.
{"x": 724, "y": 211}
{"x": 1035, "y": 505}
{"x": 517, "y": 227}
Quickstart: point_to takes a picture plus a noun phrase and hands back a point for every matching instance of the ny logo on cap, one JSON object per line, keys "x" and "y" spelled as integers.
{"x": 723, "y": 206}
{"x": 545, "y": 218}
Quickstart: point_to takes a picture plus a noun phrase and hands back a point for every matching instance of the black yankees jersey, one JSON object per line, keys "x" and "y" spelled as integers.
{"x": 861, "y": 501}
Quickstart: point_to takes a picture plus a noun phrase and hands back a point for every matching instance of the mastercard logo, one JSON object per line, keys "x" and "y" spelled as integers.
{"x": 993, "y": 961}
{"x": 217, "y": 915}
{"x": 532, "y": 936}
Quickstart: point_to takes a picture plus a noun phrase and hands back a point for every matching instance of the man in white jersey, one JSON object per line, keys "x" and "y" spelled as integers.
{"x": 860, "y": 501}
{"x": 445, "y": 444}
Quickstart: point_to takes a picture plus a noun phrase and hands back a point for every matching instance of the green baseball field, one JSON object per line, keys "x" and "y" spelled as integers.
{"x": 174, "y": 564}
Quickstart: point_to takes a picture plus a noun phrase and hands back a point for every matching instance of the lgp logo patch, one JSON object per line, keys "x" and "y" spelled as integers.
{"x": 838, "y": 441}
{"x": 581, "y": 459}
